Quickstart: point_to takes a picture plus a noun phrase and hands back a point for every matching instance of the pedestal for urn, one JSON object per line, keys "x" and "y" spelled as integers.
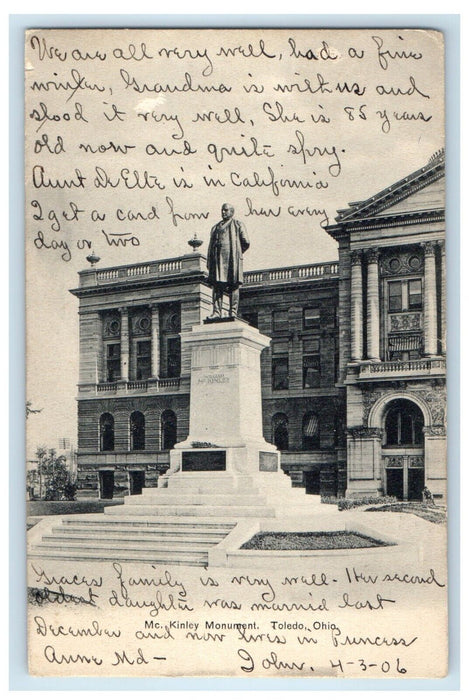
{"x": 225, "y": 425}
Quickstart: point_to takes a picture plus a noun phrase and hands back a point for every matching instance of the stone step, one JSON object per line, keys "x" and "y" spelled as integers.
{"x": 166, "y": 531}
{"x": 147, "y": 521}
{"x": 90, "y": 544}
{"x": 240, "y": 511}
{"x": 163, "y": 558}
{"x": 166, "y": 497}
{"x": 62, "y": 535}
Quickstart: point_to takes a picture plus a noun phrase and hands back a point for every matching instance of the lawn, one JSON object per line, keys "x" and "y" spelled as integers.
{"x": 311, "y": 540}
{"x": 434, "y": 514}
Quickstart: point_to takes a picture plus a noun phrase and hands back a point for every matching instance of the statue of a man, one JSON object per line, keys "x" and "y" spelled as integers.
{"x": 228, "y": 242}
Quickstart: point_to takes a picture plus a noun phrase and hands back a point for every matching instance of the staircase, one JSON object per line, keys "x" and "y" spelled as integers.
{"x": 173, "y": 525}
{"x": 157, "y": 540}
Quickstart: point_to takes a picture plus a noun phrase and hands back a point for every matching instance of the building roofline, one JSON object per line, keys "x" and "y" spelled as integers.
{"x": 369, "y": 210}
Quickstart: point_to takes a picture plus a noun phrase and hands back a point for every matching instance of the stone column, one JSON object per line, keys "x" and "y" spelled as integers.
{"x": 356, "y": 311}
{"x": 100, "y": 368}
{"x": 155, "y": 341}
{"x": 124, "y": 344}
{"x": 372, "y": 306}
{"x": 443, "y": 297}
{"x": 429, "y": 302}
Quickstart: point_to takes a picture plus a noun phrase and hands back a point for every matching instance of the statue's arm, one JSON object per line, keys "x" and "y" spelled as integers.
{"x": 210, "y": 243}
{"x": 243, "y": 237}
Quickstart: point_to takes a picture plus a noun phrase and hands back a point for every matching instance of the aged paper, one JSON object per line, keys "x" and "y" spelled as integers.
{"x": 329, "y": 145}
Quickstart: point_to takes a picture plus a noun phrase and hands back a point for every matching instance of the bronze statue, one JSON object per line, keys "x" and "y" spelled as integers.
{"x": 228, "y": 242}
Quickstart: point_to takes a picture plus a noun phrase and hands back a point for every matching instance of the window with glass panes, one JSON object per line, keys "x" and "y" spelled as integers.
{"x": 143, "y": 359}
{"x": 280, "y": 378}
{"x": 311, "y": 364}
{"x": 405, "y": 295}
{"x": 311, "y": 318}
{"x": 113, "y": 362}
{"x": 280, "y": 320}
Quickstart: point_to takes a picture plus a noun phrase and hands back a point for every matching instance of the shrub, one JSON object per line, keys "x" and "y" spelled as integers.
{"x": 350, "y": 503}
{"x": 332, "y": 500}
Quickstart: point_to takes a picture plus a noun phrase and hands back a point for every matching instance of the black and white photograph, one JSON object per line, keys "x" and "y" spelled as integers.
{"x": 236, "y": 353}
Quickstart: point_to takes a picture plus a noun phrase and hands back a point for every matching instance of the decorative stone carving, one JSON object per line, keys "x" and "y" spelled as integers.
{"x": 372, "y": 255}
{"x": 141, "y": 323}
{"x": 405, "y": 322}
{"x": 436, "y": 400}
{"x": 111, "y": 326}
{"x": 394, "y": 461}
{"x": 416, "y": 461}
{"x": 356, "y": 257}
{"x": 401, "y": 262}
{"x": 429, "y": 248}
{"x": 435, "y": 430}
{"x": 362, "y": 431}
{"x": 369, "y": 400}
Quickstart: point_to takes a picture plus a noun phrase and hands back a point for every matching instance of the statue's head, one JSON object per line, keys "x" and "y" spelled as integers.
{"x": 227, "y": 211}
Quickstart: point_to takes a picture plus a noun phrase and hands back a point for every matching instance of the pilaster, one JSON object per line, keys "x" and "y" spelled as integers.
{"x": 372, "y": 310}
{"x": 155, "y": 341}
{"x": 429, "y": 304}
{"x": 356, "y": 311}
{"x": 125, "y": 353}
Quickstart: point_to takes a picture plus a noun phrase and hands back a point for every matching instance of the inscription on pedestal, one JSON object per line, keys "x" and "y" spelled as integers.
{"x": 268, "y": 462}
{"x": 218, "y": 378}
{"x": 206, "y": 461}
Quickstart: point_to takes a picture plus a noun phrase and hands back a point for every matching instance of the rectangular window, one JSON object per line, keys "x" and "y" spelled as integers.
{"x": 174, "y": 357}
{"x": 279, "y": 373}
{"x": 311, "y": 371}
{"x": 311, "y": 319}
{"x": 113, "y": 362}
{"x": 395, "y": 296}
{"x": 280, "y": 348}
{"x": 143, "y": 359}
{"x": 281, "y": 320}
{"x": 415, "y": 294}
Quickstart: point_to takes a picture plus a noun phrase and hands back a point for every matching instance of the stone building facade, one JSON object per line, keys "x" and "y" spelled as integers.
{"x": 352, "y": 383}
{"x": 392, "y": 326}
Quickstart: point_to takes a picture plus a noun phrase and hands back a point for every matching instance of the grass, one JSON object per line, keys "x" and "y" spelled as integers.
{"x": 434, "y": 514}
{"x": 311, "y": 540}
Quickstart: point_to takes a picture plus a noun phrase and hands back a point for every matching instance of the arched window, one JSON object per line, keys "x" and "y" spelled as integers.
{"x": 310, "y": 431}
{"x": 403, "y": 424}
{"x": 280, "y": 431}
{"x": 106, "y": 432}
{"x": 168, "y": 430}
{"x": 137, "y": 431}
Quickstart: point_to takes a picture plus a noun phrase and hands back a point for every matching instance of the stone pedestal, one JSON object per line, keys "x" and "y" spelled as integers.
{"x": 225, "y": 425}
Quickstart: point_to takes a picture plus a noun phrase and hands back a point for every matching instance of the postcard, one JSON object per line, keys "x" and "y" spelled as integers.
{"x": 236, "y": 343}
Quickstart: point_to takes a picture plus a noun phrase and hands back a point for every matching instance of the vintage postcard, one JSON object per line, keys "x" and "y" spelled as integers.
{"x": 236, "y": 343}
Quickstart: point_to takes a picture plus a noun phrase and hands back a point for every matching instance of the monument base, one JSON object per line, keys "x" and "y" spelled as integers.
{"x": 248, "y": 458}
{"x": 225, "y": 426}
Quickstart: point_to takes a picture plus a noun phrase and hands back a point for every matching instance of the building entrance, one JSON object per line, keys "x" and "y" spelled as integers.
{"x": 404, "y": 476}
{"x": 136, "y": 481}
{"x": 403, "y": 455}
{"x": 313, "y": 482}
{"x": 106, "y": 484}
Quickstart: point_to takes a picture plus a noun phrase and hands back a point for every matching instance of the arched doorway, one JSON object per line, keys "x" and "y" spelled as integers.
{"x": 106, "y": 432}
{"x": 403, "y": 450}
